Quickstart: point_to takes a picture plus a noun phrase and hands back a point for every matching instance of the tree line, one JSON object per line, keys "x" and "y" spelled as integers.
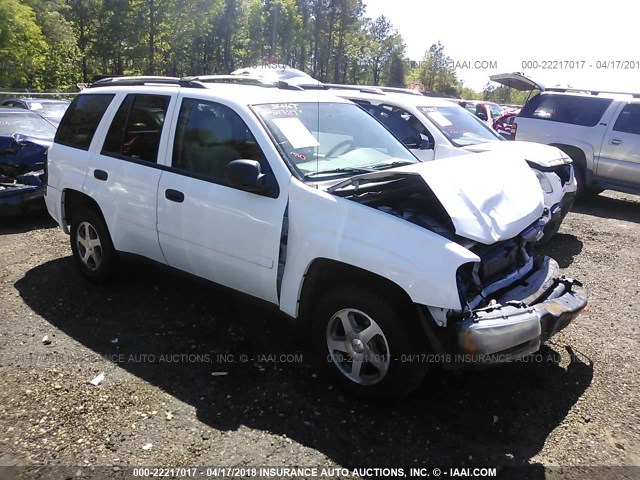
{"x": 54, "y": 44}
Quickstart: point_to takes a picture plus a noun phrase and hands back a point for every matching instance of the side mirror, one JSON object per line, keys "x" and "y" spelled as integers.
{"x": 245, "y": 175}
{"x": 425, "y": 144}
{"x": 482, "y": 116}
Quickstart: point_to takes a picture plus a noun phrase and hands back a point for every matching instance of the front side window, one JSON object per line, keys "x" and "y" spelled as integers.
{"x": 323, "y": 140}
{"x": 81, "y": 120}
{"x": 459, "y": 126}
{"x": 629, "y": 119}
{"x": 209, "y": 136}
{"x": 397, "y": 123}
{"x": 137, "y": 127}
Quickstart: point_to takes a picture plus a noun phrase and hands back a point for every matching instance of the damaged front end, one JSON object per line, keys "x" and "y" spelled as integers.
{"x": 511, "y": 301}
{"x": 513, "y": 315}
{"x": 22, "y": 174}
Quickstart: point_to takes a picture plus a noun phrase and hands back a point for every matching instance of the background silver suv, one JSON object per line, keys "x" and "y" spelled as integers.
{"x": 599, "y": 130}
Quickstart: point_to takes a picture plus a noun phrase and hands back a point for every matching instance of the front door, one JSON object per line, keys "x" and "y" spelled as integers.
{"x": 206, "y": 227}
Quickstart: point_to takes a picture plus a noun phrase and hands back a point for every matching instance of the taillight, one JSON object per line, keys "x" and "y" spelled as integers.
{"x": 514, "y": 128}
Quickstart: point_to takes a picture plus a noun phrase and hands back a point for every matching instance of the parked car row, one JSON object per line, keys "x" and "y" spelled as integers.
{"x": 302, "y": 200}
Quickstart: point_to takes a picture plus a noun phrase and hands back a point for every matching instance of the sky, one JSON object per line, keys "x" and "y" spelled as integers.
{"x": 590, "y": 41}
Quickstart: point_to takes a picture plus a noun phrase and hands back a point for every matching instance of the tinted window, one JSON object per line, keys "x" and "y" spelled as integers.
{"x": 575, "y": 109}
{"x": 209, "y": 136}
{"x": 81, "y": 120}
{"x": 629, "y": 120}
{"x": 137, "y": 127}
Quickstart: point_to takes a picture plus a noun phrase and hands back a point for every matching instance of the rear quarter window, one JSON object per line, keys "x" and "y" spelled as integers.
{"x": 81, "y": 120}
{"x": 574, "y": 109}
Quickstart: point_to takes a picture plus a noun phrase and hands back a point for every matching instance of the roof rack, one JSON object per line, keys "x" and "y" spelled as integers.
{"x": 191, "y": 82}
{"x": 369, "y": 89}
{"x": 240, "y": 79}
{"x": 243, "y": 79}
{"x": 359, "y": 88}
{"x": 589, "y": 91}
{"x": 408, "y": 91}
{"x": 144, "y": 80}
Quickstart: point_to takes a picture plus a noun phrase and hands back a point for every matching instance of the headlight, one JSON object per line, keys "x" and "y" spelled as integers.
{"x": 544, "y": 182}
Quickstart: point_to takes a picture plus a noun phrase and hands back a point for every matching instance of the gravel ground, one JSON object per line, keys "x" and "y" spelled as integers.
{"x": 195, "y": 377}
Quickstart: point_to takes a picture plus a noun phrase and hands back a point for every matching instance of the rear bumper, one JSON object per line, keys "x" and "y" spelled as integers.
{"x": 519, "y": 322}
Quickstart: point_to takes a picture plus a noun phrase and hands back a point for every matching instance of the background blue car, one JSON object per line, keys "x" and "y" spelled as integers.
{"x": 25, "y": 139}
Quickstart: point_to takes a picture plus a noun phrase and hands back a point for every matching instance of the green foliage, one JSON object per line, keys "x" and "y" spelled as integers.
{"x": 504, "y": 95}
{"x": 23, "y": 49}
{"x": 69, "y": 41}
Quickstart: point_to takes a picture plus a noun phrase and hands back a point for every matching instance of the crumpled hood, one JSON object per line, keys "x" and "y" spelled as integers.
{"x": 490, "y": 197}
{"x": 543, "y": 155}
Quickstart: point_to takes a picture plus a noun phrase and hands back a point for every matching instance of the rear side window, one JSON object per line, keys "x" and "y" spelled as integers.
{"x": 629, "y": 119}
{"x": 81, "y": 120}
{"x": 137, "y": 127}
{"x": 574, "y": 109}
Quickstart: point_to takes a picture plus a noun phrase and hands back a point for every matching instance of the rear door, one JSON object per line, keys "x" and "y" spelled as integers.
{"x": 207, "y": 227}
{"x": 123, "y": 177}
{"x": 620, "y": 153}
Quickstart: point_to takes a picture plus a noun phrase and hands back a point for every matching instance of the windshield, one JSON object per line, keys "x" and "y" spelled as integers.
{"x": 51, "y": 110}
{"x": 25, "y": 123}
{"x": 324, "y": 140}
{"x": 496, "y": 110}
{"x": 459, "y": 126}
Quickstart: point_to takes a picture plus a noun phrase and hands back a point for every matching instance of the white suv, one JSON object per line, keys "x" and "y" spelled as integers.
{"x": 305, "y": 202}
{"x": 448, "y": 130}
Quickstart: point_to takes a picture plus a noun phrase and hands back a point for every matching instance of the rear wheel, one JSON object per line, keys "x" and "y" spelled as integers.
{"x": 91, "y": 245}
{"x": 368, "y": 344}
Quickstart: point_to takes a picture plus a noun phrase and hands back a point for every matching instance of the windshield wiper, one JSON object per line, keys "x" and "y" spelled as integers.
{"x": 384, "y": 166}
{"x": 338, "y": 171}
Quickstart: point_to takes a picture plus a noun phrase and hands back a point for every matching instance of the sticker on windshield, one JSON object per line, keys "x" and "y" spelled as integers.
{"x": 440, "y": 119}
{"x": 284, "y": 110}
{"x": 296, "y": 133}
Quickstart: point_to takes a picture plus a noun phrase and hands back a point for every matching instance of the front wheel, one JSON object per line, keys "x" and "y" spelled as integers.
{"x": 91, "y": 245}
{"x": 369, "y": 345}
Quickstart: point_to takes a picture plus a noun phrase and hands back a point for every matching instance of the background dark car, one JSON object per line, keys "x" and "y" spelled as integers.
{"x": 52, "y": 110}
{"x": 25, "y": 139}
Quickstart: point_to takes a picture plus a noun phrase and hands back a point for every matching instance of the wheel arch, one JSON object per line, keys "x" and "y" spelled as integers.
{"x": 324, "y": 271}
{"x": 74, "y": 200}
{"x": 582, "y": 157}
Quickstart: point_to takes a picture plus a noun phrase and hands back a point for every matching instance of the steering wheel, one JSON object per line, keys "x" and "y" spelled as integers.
{"x": 342, "y": 144}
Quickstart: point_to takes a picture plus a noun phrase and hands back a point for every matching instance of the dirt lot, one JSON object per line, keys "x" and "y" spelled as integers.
{"x": 163, "y": 384}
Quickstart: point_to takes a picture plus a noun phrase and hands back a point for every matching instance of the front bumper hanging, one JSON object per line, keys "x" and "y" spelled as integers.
{"x": 522, "y": 319}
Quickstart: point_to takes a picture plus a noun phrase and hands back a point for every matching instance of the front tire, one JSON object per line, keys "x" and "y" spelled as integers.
{"x": 91, "y": 245}
{"x": 368, "y": 344}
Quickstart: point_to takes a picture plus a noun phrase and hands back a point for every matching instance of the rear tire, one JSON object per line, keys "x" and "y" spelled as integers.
{"x": 368, "y": 344}
{"x": 91, "y": 245}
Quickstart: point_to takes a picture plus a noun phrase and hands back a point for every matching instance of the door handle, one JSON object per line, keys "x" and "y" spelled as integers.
{"x": 615, "y": 141}
{"x": 101, "y": 175}
{"x": 174, "y": 195}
